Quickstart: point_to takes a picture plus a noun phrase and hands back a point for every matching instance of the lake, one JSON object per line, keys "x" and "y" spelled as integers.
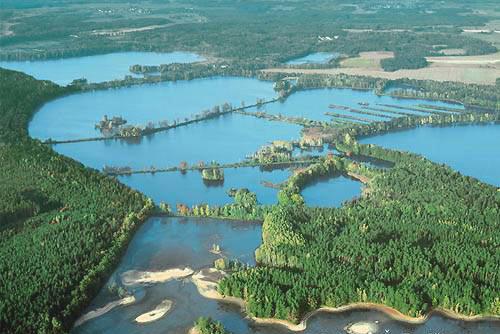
{"x": 229, "y": 138}
{"x": 163, "y": 243}
{"x": 75, "y": 116}
{"x": 473, "y": 150}
{"x": 314, "y": 103}
{"x": 97, "y": 68}
{"x": 314, "y": 58}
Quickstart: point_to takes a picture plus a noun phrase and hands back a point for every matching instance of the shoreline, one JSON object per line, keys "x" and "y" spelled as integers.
{"x": 158, "y": 312}
{"x": 206, "y": 284}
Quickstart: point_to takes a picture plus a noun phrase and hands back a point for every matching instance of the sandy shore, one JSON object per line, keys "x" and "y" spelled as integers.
{"x": 102, "y": 310}
{"x": 206, "y": 283}
{"x": 159, "y": 311}
{"x": 133, "y": 277}
{"x": 362, "y": 327}
{"x": 194, "y": 330}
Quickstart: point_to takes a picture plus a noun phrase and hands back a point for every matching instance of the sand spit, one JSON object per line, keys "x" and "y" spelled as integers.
{"x": 159, "y": 311}
{"x": 206, "y": 282}
{"x": 134, "y": 277}
{"x": 102, "y": 310}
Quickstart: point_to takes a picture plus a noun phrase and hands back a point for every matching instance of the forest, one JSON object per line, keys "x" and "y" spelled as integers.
{"x": 257, "y": 32}
{"x": 471, "y": 95}
{"x": 422, "y": 237}
{"x": 62, "y": 226}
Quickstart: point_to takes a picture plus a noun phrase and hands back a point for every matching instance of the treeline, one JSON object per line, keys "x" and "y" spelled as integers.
{"x": 234, "y": 31}
{"x": 402, "y": 123}
{"x": 245, "y": 207}
{"x": 63, "y": 227}
{"x": 473, "y": 96}
{"x": 403, "y": 61}
{"x": 423, "y": 237}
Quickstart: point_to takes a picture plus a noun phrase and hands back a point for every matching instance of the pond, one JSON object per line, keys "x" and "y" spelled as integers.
{"x": 164, "y": 243}
{"x": 189, "y": 188}
{"x": 472, "y": 150}
{"x": 331, "y": 191}
{"x": 315, "y": 103}
{"x": 315, "y": 58}
{"x": 97, "y": 68}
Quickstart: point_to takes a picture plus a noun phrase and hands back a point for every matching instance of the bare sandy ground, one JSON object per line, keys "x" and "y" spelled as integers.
{"x": 367, "y": 60}
{"x": 467, "y": 60}
{"x": 112, "y": 32}
{"x": 159, "y": 311}
{"x": 133, "y": 277}
{"x": 457, "y": 73}
{"x": 102, "y": 310}
{"x": 484, "y": 69}
{"x": 362, "y": 328}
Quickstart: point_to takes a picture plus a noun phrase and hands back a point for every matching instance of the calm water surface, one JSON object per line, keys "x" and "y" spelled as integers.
{"x": 229, "y": 138}
{"x": 331, "y": 192}
{"x": 75, "y": 116}
{"x": 314, "y": 58}
{"x": 96, "y": 68}
{"x": 314, "y": 103}
{"x": 473, "y": 150}
{"x": 190, "y": 189}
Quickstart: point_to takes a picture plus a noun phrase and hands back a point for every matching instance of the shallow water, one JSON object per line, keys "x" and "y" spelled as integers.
{"x": 96, "y": 68}
{"x": 314, "y": 58}
{"x": 473, "y": 150}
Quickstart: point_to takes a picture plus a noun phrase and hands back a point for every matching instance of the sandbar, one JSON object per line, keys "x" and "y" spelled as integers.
{"x": 159, "y": 311}
{"x": 134, "y": 277}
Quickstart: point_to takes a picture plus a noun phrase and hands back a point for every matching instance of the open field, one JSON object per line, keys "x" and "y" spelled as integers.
{"x": 484, "y": 69}
{"x": 367, "y": 60}
{"x": 463, "y": 74}
{"x": 491, "y": 59}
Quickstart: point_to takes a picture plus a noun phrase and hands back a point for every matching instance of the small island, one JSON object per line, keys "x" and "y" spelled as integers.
{"x": 213, "y": 175}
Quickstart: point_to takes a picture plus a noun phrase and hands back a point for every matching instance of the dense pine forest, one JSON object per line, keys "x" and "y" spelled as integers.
{"x": 422, "y": 237}
{"x": 62, "y": 226}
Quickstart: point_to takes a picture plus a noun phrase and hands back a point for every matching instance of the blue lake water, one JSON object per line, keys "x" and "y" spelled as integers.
{"x": 229, "y": 138}
{"x": 314, "y": 58}
{"x": 473, "y": 150}
{"x": 331, "y": 192}
{"x": 190, "y": 189}
{"x": 96, "y": 68}
{"x": 75, "y": 116}
{"x": 314, "y": 103}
